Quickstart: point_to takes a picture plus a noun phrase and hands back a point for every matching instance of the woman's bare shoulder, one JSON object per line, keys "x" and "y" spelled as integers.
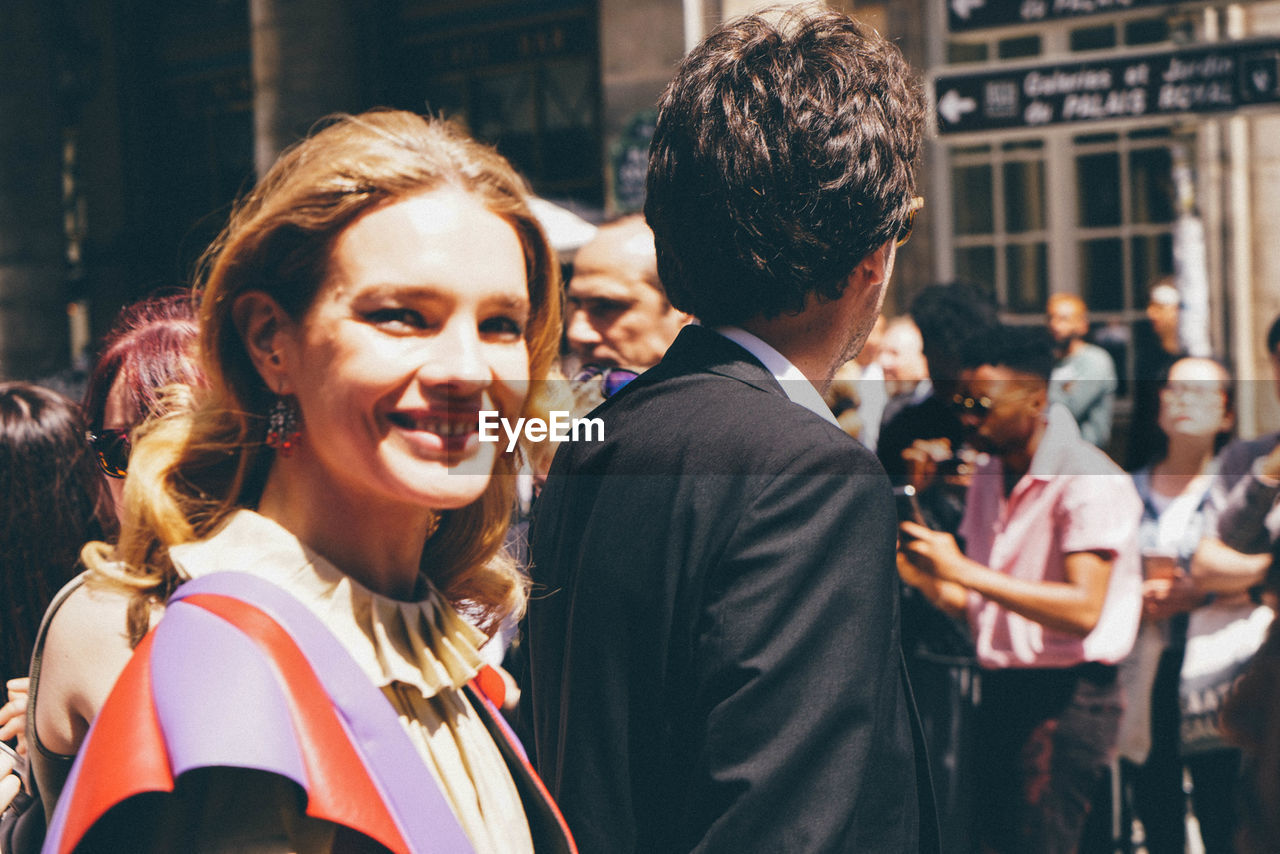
{"x": 86, "y": 648}
{"x": 93, "y": 614}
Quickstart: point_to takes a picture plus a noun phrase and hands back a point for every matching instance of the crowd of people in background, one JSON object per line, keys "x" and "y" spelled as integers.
{"x": 1185, "y": 540}
{"x": 1060, "y": 636}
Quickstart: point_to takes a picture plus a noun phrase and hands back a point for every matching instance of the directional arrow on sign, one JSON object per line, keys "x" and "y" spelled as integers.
{"x": 952, "y": 106}
{"x": 964, "y": 8}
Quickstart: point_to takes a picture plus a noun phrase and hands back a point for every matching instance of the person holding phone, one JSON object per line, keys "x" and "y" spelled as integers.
{"x": 1049, "y": 581}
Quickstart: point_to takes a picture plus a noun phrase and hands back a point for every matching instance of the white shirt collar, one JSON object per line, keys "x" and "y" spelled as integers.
{"x": 794, "y": 384}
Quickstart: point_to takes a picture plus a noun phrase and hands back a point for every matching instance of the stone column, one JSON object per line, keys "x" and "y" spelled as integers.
{"x": 304, "y": 68}
{"x": 1253, "y": 266}
{"x": 33, "y": 311}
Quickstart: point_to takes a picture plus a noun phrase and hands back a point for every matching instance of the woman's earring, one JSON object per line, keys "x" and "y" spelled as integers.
{"x": 284, "y": 425}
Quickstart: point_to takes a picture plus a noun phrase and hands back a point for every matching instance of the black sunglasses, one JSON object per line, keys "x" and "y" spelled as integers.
{"x": 611, "y": 379}
{"x": 112, "y": 448}
{"x": 979, "y": 406}
{"x": 904, "y": 233}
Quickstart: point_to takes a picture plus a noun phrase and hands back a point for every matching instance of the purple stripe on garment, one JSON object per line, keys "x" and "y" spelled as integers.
{"x": 209, "y": 683}
{"x": 406, "y": 784}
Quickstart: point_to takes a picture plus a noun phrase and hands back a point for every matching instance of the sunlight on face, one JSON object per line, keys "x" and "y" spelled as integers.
{"x": 617, "y": 314}
{"x": 418, "y": 328}
{"x": 1193, "y": 401}
{"x": 1012, "y": 407}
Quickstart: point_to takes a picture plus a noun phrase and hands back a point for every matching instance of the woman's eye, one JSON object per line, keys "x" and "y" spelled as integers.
{"x": 396, "y": 317}
{"x": 502, "y": 325}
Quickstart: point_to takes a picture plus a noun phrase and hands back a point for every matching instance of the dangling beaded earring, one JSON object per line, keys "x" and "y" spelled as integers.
{"x": 284, "y": 426}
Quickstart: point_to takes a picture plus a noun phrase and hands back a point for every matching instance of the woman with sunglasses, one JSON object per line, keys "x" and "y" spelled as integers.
{"x": 320, "y": 518}
{"x": 150, "y": 348}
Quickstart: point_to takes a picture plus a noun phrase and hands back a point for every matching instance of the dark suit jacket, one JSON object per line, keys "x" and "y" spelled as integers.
{"x": 713, "y": 634}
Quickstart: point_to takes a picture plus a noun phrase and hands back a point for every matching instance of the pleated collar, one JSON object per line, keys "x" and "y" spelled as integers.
{"x": 425, "y": 644}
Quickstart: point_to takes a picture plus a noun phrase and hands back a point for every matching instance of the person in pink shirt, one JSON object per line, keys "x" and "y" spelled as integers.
{"x": 1050, "y": 580}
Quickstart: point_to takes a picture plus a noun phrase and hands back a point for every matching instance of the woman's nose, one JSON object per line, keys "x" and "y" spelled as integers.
{"x": 457, "y": 360}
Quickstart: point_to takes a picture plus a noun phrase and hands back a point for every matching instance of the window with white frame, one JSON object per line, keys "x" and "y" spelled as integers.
{"x": 1069, "y": 208}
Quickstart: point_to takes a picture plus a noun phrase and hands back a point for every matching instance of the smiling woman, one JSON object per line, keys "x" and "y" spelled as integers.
{"x": 419, "y": 326}
{"x": 329, "y": 506}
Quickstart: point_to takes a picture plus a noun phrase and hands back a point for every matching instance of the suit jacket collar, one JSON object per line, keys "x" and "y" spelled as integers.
{"x": 700, "y": 350}
{"x": 794, "y": 383}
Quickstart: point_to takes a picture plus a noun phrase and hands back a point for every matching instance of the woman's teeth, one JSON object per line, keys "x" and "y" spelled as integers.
{"x": 440, "y": 426}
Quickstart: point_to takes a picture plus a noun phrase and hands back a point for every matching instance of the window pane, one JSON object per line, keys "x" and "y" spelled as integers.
{"x": 1028, "y": 277}
{"x": 1102, "y": 265}
{"x": 1098, "y": 177}
{"x": 565, "y": 151}
{"x": 1150, "y": 31}
{"x": 504, "y": 104}
{"x": 1152, "y": 258}
{"x": 447, "y": 96}
{"x": 971, "y": 199}
{"x": 1022, "y": 46}
{"x": 1151, "y": 179}
{"x": 976, "y": 265}
{"x": 1093, "y": 38}
{"x": 567, "y": 96}
{"x": 960, "y": 52}
{"x": 1024, "y": 196}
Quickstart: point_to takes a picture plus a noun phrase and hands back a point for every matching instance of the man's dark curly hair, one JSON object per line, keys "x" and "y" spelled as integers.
{"x": 947, "y": 315}
{"x": 783, "y": 155}
{"x": 1022, "y": 349}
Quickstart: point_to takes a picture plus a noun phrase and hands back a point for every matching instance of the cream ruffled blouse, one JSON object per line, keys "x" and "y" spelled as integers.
{"x": 419, "y": 653}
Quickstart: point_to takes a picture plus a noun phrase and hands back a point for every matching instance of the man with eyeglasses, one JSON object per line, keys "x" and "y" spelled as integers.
{"x": 1050, "y": 582}
{"x": 715, "y": 664}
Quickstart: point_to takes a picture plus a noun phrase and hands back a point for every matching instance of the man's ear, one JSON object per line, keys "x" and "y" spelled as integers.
{"x": 262, "y": 325}
{"x": 872, "y": 273}
{"x": 1040, "y": 398}
{"x": 679, "y": 318}
{"x": 1228, "y": 422}
{"x": 874, "y": 268}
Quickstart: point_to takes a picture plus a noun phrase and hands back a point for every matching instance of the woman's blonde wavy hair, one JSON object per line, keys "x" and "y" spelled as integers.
{"x": 191, "y": 468}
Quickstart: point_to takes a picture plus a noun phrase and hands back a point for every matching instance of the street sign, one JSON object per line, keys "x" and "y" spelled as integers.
{"x": 976, "y": 14}
{"x": 1215, "y": 77}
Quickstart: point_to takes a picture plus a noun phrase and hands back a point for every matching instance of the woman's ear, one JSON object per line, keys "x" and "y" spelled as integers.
{"x": 263, "y": 326}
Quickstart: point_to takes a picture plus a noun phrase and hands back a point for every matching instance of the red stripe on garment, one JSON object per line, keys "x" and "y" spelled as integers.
{"x": 518, "y": 754}
{"x": 126, "y": 756}
{"x": 340, "y": 789}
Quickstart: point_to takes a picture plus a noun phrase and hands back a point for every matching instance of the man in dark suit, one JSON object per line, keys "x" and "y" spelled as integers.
{"x": 714, "y": 654}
